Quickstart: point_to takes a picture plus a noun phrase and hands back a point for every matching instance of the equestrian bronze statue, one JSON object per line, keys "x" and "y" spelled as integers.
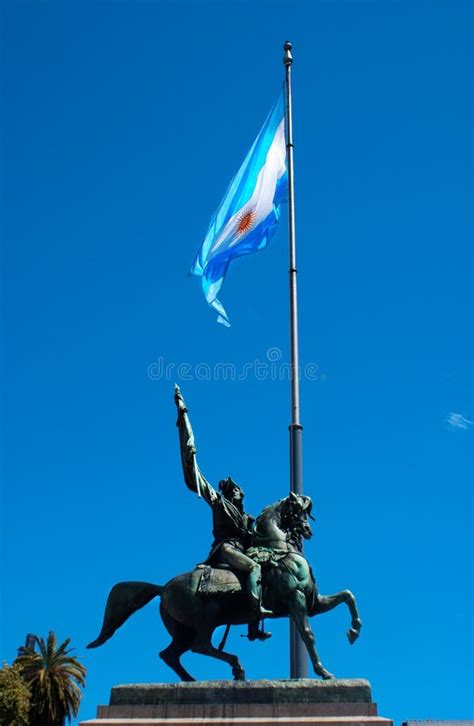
{"x": 254, "y": 571}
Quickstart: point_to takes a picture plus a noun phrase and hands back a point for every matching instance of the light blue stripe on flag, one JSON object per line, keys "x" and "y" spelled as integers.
{"x": 246, "y": 219}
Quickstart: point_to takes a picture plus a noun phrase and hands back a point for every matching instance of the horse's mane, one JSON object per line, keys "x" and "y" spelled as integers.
{"x": 269, "y": 520}
{"x": 271, "y": 511}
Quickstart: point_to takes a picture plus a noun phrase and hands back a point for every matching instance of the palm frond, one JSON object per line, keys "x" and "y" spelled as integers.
{"x": 53, "y": 676}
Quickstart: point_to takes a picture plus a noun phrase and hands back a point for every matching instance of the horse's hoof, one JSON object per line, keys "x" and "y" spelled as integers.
{"x": 352, "y": 635}
{"x": 326, "y": 676}
{"x": 322, "y": 672}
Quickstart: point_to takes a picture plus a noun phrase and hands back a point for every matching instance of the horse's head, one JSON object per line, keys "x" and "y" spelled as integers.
{"x": 285, "y": 521}
{"x": 296, "y": 508}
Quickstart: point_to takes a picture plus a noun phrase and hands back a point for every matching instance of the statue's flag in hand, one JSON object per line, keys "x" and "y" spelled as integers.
{"x": 247, "y": 218}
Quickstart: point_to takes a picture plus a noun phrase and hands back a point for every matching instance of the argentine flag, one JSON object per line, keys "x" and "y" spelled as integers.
{"x": 247, "y": 218}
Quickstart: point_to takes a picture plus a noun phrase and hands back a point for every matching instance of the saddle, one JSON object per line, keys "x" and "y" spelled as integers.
{"x": 217, "y": 579}
{"x": 222, "y": 579}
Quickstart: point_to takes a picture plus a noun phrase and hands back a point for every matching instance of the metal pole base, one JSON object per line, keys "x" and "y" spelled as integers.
{"x": 299, "y": 654}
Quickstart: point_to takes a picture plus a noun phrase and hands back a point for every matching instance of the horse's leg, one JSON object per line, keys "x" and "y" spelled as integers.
{"x": 325, "y": 603}
{"x": 203, "y": 645}
{"x": 182, "y": 641}
{"x": 171, "y": 656}
{"x": 297, "y": 607}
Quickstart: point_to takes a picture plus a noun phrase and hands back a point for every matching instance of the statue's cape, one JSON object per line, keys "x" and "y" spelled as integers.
{"x": 229, "y": 522}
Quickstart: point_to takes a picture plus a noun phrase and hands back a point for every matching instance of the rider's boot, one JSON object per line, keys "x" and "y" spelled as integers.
{"x": 256, "y": 633}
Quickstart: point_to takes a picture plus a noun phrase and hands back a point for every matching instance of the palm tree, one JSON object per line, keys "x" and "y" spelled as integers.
{"x": 53, "y": 677}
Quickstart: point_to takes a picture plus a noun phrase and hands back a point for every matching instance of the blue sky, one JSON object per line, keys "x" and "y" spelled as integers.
{"x": 122, "y": 125}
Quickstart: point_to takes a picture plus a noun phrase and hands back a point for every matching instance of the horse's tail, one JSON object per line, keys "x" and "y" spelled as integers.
{"x": 124, "y": 599}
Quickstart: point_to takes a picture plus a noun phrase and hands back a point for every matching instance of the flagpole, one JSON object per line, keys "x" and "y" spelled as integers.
{"x": 298, "y": 653}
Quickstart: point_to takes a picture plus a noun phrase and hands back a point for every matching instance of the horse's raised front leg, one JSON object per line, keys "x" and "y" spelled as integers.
{"x": 298, "y": 612}
{"x": 324, "y": 603}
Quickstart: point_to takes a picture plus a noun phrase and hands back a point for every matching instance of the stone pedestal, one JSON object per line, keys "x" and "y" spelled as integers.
{"x": 242, "y": 703}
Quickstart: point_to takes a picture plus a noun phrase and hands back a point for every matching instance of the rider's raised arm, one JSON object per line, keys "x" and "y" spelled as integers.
{"x": 193, "y": 477}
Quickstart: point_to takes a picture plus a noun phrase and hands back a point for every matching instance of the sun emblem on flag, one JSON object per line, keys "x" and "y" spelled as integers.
{"x": 245, "y": 222}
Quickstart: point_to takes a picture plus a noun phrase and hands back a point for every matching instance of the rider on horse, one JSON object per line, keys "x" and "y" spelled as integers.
{"x": 275, "y": 540}
{"x": 233, "y": 529}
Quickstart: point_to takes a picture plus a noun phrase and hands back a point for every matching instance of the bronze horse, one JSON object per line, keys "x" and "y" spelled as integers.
{"x": 191, "y": 616}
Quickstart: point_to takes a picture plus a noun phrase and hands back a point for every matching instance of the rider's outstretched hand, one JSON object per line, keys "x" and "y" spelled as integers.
{"x": 178, "y": 399}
